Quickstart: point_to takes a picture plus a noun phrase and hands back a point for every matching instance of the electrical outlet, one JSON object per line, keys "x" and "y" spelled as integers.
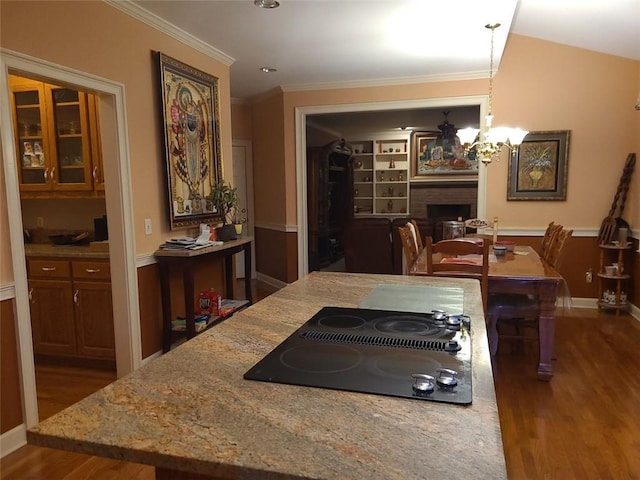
{"x": 589, "y": 276}
{"x": 39, "y": 222}
{"x": 147, "y": 226}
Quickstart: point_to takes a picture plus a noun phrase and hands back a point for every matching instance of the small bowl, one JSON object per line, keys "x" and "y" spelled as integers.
{"x": 510, "y": 245}
{"x": 610, "y": 270}
{"x": 499, "y": 250}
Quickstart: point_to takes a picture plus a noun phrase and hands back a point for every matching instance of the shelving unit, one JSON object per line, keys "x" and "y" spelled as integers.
{"x": 611, "y": 294}
{"x": 56, "y": 139}
{"x": 381, "y": 176}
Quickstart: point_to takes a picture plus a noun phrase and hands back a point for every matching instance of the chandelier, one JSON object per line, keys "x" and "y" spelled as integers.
{"x": 489, "y": 143}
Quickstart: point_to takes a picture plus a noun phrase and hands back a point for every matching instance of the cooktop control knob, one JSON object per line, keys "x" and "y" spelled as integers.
{"x": 453, "y": 322}
{"x": 452, "y": 346}
{"x": 438, "y": 317}
{"x": 423, "y": 383}
{"x": 446, "y": 377}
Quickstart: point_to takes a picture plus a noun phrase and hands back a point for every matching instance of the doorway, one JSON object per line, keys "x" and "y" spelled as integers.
{"x": 72, "y": 321}
{"x": 243, "y": 181}
{"x": 301, "y": 114}
{"x": 118, "y": 206}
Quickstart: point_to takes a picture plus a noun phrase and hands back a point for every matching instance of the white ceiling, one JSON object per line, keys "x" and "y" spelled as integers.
{"x": 327, "y": 43}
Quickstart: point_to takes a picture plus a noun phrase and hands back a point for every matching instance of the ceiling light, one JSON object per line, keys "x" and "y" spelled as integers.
{"x": 266, "y": 3}
{"x": 491, "y": 140}
{"x": 268, "y": 69}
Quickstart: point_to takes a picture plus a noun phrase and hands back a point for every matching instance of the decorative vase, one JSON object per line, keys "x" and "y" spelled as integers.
{"x": 226, "y": 233}
{"x": 535, "y": 176}
{"x": 238, "y": 228}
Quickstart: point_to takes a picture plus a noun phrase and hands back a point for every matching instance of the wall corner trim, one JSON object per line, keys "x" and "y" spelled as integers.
{"x": 139, "y": 13}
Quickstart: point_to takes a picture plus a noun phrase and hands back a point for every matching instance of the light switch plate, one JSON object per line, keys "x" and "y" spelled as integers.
{"x": 147, "y": 226}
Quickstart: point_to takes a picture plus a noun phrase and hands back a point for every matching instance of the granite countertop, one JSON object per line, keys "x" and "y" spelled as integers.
{"x": 67, "y": 251}
{"x": 190, "y": 410}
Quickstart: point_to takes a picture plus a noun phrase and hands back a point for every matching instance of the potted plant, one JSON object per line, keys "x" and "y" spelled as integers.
{"x": 225, "y": 199}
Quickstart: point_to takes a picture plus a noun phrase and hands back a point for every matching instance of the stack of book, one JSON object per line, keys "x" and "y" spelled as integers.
{"x": 202, "y": 322}
{"x": 227, "y": 308}
{"x": 187, "y": 243}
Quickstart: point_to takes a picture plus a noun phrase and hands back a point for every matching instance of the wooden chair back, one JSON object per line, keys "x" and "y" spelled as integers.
{"x": 558, "y": 247}
{"x": 418, "y": 237}
{"x": 408, "y": 247}
{"x": 549, "y": 235}
{"x": 470, "y": 269}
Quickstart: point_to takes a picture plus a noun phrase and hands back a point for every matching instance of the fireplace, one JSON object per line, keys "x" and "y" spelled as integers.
{"x": 452, "y": 197}
{"x": 448, "y": 211}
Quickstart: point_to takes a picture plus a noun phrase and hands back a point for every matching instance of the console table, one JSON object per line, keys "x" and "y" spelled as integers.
{"x": 185, "y": 260}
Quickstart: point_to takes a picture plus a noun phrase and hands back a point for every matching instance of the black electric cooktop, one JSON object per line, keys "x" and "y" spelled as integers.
{"x": 425, "y": 356}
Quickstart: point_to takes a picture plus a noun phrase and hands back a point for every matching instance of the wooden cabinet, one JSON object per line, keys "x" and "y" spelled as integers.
{"x": 328, "y": 205}
{"x": 71, "y": 308}
{"x": 381, "y": 176}
{"x": 57, "y": 140}
{"x": 613, "y": 277}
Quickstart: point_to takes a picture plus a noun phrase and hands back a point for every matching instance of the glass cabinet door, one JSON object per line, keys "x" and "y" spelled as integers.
{"x": 70, "y": 130}
{"x": 32, "y": 145}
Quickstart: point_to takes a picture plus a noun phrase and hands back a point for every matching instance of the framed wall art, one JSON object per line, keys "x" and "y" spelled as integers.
{"x": 434, "y": 155}
{"x": 191, "y": 129}
{"x": 539, "y": 170}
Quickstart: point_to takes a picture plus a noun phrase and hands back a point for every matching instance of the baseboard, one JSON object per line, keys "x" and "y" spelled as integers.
{"x": 12, "y": 440}
{"x": 584, "y": 302}
{"x": 592, "y": 303}
{"x": 274, "y": 282}
{"x": 150, "y": 358}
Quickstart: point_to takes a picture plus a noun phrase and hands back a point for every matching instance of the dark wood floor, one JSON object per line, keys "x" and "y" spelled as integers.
{"x": 581, "y": 425}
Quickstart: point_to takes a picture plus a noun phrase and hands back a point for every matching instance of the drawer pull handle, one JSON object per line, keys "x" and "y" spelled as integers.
{"x": 92, "y": 270}
{"x": 75, "y": 297}
{"x": 31, "y": 294}
{"x": 48, "y": 269}
{"x": 45, "y": 173}
{"x": 53, "y": 174}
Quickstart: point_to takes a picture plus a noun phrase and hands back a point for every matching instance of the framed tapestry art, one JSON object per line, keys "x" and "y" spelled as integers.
{"x": 433, "y": 155}
{"x": 539, "y": 170}
{"x": 191, "y": 128}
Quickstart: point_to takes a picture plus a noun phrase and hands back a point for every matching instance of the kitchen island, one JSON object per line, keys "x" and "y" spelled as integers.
{"x": 192, "y": 415}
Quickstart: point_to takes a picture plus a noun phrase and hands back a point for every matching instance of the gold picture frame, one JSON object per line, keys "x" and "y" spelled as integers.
{"x": 432, "y": 155}
{"x": 191, "y": 131}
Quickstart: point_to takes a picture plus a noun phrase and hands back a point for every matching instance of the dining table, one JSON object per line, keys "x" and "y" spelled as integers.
{"x": 522, "y": 271}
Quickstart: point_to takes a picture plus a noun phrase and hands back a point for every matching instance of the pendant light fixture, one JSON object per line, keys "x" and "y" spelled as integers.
{"x": 491, "y": 140}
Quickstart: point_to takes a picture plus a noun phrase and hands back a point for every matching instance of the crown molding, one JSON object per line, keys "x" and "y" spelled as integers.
{"x": 139, "y": 13}
{"x": 385, "y": 82}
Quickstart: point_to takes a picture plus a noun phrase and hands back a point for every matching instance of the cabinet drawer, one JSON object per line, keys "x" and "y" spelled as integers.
{"x": 49, "y": 268}
{"x": 91, "y": 269}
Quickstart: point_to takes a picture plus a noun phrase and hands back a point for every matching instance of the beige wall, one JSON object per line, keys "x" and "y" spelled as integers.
{"x": 241, "y": 124}
{"x": 95, "y": 38}
{"x": 539, "y": 86}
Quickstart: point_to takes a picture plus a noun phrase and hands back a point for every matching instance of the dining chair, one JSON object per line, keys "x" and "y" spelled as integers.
{"x": 460, "y": 258}
{"x": 409, "y": 247}
{"x": 558, "y": 247}
{"x": 417, "y": 236}
{"x": 512, "y": 316}
{"x": 549, "y": 235}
